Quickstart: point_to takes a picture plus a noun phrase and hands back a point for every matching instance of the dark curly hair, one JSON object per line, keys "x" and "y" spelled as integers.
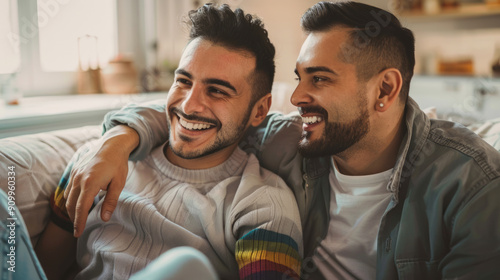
{"x": 239, "y": 31}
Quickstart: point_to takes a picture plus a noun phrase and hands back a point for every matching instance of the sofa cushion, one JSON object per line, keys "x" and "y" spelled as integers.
{"x": 38, "y": 162}
{"x": 489, "y": 131}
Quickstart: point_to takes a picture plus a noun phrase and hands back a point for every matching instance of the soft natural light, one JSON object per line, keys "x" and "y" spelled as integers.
{"x": 61, "y": 23}
{"x": 9, "y": 40}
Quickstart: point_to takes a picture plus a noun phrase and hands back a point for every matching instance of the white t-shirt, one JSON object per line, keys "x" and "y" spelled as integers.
{"x": 357, "y": 204}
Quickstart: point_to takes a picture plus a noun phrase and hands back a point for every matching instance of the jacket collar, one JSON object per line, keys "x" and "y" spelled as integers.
{"x": 316, "y": 167}
{"x": 417, "y": 131}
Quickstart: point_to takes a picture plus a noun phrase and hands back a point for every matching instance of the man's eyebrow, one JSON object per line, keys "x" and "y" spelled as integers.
{"x": 310, "y": 70}
{"x": 220, "y": 82}
{"x": 207, "y": 81}
{"x": 183, "y": 72}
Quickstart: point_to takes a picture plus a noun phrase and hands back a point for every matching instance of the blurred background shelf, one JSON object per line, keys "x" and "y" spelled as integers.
{"x": 459, "y": 12}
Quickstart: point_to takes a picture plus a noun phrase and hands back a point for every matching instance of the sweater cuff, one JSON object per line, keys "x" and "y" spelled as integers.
{"x": 264, "y": 254}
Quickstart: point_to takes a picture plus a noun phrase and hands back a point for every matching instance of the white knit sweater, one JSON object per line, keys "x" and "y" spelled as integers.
{"x": 164, "y": 206}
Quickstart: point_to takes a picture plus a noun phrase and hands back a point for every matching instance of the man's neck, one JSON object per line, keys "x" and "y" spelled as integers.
{"x": 203, "y": 162}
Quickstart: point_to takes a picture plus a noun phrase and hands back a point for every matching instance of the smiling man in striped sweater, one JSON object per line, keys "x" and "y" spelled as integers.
{"x": 198, "y": 189}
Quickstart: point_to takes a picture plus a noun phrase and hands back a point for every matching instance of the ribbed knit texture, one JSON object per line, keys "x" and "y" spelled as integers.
{"x": 263, "y": 254}
{"x": 242, "y": 217}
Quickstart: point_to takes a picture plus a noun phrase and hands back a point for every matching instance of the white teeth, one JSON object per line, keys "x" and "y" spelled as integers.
{"x": 311, "y": 120}
{"x": 193, "y": 126}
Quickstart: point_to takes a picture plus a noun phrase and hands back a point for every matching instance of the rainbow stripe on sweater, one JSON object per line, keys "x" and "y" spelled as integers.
{"x": 264, "y": 254}
{"x": 59, "y": 214}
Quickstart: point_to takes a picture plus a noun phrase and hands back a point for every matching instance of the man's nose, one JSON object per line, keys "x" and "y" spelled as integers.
{"x": 194, "y": 101}
{"x": 300, "y": 96}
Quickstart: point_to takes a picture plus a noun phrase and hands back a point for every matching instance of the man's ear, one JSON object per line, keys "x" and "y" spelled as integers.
{"x": 389, "y": 86}
{"x": 260, "y": 109}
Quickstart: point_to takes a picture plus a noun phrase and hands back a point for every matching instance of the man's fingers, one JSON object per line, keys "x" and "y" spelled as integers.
{"x": 93, "y": 171}
{"x": 82, "y": 211}
{"x": 79, "y": 201}
{"x": 72, "y": 178}
{"x": 71, "y": 201}
{"x": 111, "y": 199}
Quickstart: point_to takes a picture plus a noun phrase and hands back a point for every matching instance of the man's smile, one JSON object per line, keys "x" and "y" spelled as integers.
{"x": 311, "y": 119}
{"x": 312, "y": 116}
{"x": 190, "y": 125}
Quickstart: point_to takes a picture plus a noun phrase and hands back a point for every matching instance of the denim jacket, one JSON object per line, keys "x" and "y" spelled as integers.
{"x": 443, "y": 220}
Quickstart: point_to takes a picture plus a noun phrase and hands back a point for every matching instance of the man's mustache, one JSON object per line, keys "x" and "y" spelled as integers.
{"x": 192, "y": 117}
{"x": 313, "y": 109}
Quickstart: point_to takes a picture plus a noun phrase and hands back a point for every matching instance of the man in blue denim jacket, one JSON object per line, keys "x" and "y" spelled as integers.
{"x": 383, "y": 191}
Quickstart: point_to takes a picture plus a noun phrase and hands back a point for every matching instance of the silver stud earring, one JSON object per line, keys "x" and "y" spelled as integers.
{"x": 381, "y": 105}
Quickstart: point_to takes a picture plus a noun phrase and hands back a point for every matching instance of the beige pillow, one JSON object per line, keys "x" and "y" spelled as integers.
{"x": 38, "y": 162}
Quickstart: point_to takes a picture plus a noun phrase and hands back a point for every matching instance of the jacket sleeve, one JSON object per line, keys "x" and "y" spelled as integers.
{"x": 475, "y": 237}
{"x": 274, "y": 141}
{"x": 148, "y": 119}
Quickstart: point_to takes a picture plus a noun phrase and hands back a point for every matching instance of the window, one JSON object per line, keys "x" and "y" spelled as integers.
{"x": 61, "y": 26}
{"x": 9, "y": 46}
{"x": 40, "y": 40}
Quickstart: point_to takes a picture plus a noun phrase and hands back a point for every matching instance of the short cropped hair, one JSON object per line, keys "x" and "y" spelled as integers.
{"x": 239, "y": 31}
{"x": 377, "y": 41}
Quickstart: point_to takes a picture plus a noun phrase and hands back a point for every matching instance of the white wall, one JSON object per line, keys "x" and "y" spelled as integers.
{"x": 452, "y": 37}
{"x": 282, "y": 20}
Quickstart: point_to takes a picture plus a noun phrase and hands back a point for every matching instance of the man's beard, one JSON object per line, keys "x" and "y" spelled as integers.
{"x": 337, "y": 137}
{"x": 226, "y": 136}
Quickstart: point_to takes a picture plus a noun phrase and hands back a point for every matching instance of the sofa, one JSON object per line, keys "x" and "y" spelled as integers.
{"x": 38, "y": 162}
{"x": 40, "y": 159}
